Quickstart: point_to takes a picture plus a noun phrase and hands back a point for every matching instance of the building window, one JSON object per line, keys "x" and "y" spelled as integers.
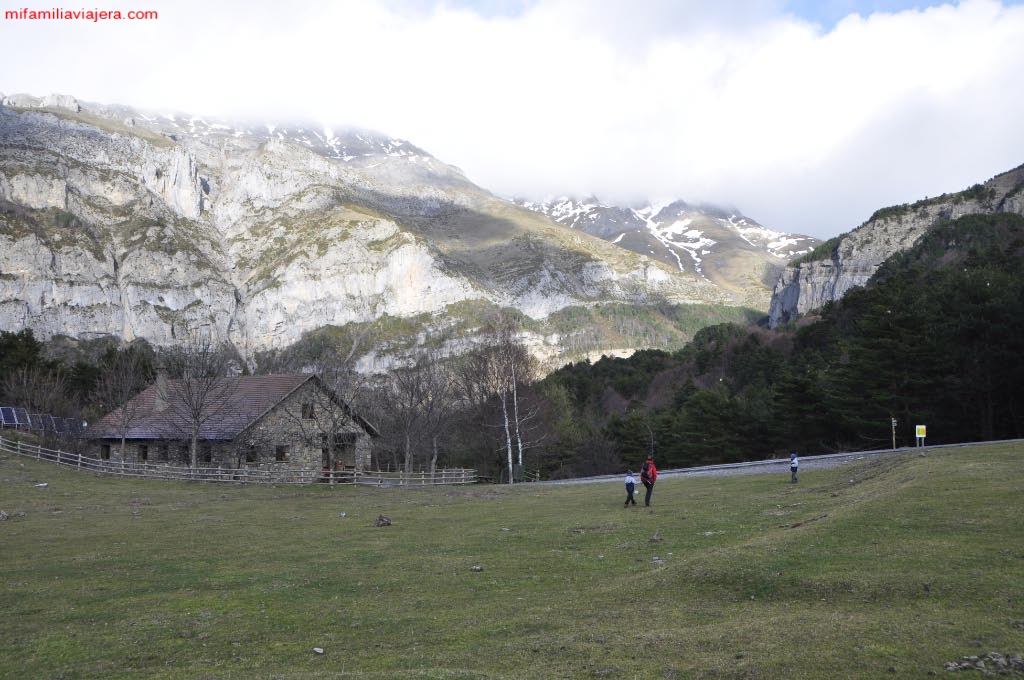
{"x": 206, "y": 453}
{"x": 164, "y": 453}
{"x": 250, "y": 454}
{"x": 307, "y": 411}
{"x": 281, "y": 453}
{"x": 143, "y": 452}
{"x": 105, "y": 451}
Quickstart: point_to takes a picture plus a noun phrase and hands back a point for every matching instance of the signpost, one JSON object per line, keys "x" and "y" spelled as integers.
{"x": 893, "y": 434}
{"x": 921, "y": 432}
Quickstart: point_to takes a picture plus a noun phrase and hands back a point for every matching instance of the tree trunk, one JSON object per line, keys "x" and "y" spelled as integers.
{"x": 408, "y": 453}
{"x": 508, "y": 433}
{"x": 515, "y": 411}
{"x": 433, "y": 456}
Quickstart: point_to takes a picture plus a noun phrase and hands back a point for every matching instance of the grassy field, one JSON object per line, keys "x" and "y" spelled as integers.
{"x": 887, "y": 567}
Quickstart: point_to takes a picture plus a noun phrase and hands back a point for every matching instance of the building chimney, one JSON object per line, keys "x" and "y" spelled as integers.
{"x": 160, "y": 401}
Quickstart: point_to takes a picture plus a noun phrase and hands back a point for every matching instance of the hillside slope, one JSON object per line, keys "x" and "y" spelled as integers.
{"x": 721, "y": 245}
{"x": 850, "y": 260}
{"x": 144, "y": 225}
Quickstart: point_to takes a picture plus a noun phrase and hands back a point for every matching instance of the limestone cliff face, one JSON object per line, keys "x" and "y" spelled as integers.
{"x": 810, "y": 285}
{"x": 116, "y": 222}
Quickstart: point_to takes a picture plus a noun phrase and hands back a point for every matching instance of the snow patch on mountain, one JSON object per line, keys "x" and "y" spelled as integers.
{"x": 718, "y": 244}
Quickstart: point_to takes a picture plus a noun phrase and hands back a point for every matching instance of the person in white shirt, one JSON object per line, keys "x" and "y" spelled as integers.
{"x": 630, "y": 488}
{"x": 794, "y": 463}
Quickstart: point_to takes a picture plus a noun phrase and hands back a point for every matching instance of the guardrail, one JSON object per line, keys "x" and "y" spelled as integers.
{"x": 242, "y": 475}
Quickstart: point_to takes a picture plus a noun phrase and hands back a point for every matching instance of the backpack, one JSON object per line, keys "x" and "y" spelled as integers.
{"x": 644, "y": 471}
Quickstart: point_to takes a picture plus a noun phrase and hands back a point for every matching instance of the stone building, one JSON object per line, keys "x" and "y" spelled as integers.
{"x": 262, "y": 422}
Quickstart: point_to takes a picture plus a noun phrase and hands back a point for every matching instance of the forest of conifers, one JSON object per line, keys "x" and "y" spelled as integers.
{"x": 935, "y": 339}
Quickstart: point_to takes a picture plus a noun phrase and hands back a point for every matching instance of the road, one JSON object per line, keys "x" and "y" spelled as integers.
{"x": 772, "y": 466}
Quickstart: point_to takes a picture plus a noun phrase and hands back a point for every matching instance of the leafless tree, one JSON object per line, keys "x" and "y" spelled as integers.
{"x": 402, "y": 402}
{"x": 38, "y": 389}
{"x": 502, "y": 371}
{"x": 441, "y": 403}
{"x": 418, "y": 402}
{"x": 514, "y": 370}
{"x": 251, "y": 445}
{"x": 193, "y": 384}
{"x": 124, "y": 377}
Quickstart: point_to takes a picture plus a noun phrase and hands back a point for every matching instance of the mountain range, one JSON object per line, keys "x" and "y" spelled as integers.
{"x": 119, "y": 223}
{"x": 720, "y": 244}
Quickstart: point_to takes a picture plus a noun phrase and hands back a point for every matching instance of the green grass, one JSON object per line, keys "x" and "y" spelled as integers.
{"x": 887, "y": 567}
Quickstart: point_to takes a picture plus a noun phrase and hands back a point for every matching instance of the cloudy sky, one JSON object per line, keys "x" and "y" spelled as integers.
{"x": 805, "y": 115}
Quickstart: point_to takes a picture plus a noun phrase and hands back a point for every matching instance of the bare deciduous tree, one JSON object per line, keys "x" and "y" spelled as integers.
{"x": 193, "y": 385}
{"x": 441, "y": 403}
{"x": 38, "y": 389}
{"x": 418, "y": 401}
{"x": 514, "y": 370}
{"x": 502, "y": 371}
{"x": 124, "y": 377}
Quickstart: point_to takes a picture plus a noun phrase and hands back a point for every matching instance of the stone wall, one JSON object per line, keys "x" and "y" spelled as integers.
{"x": 281, "y": 438}
{"x": 284, "y": 425}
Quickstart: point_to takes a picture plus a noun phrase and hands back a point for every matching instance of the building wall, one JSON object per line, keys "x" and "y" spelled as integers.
{"x": 281, "y": 438}
{"x": 285, "y": 425}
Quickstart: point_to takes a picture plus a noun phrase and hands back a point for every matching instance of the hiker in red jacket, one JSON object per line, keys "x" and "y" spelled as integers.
{"x": 648, "y": 476}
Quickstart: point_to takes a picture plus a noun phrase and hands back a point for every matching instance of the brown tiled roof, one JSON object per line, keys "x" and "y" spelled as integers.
{"x": 237, "y": 403}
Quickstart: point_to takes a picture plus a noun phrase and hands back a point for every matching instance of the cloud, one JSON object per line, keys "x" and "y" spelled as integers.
{"x": 805, "y": 127}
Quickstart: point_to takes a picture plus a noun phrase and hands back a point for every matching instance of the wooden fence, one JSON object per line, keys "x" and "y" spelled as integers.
{"x": 243, "y": 475}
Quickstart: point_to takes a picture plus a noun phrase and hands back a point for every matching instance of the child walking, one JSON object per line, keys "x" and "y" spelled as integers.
{"x": 630, "y": 488}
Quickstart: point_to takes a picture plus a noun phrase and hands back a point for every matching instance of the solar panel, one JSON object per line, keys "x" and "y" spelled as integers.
{"x": 68, "y": 424}
{"x": 11, "y": 416}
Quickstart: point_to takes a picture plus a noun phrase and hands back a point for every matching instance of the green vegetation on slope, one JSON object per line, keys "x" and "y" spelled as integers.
{"x": 934, "y": 339}
{"x": 977, "y": 192}
{"x": 892, "y": 565}
{"x": 108, "y": 125}
{"x": 581, "y": 330}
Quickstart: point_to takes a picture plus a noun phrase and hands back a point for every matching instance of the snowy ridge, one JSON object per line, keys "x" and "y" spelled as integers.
{"x": 343, "y": 145}
{"x": 685, "y": 234}
{"x": 721, "y": 245}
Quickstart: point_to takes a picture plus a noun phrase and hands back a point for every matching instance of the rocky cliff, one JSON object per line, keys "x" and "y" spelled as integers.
{"x": 116, "y": 222}
{"x": 850, "y": 260}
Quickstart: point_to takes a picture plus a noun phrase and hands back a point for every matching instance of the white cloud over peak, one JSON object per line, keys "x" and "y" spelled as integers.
{"x": 804, "y": 127}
